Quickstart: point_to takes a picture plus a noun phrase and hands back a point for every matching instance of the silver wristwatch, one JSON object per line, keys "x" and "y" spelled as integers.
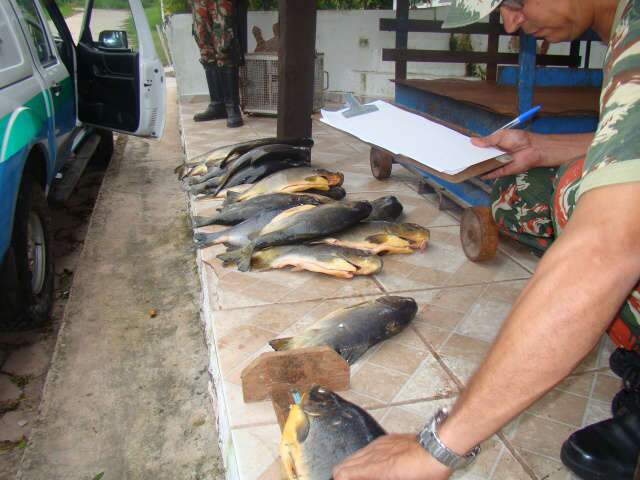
{"x": 429, "y": 440}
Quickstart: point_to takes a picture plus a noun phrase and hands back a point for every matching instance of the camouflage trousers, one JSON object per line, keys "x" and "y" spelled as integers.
{"x": 213, "y": 29}
{"x": 534, "y": 207}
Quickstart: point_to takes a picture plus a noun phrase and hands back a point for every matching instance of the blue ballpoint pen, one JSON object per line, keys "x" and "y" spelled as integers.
{"x": 520, "y": 118}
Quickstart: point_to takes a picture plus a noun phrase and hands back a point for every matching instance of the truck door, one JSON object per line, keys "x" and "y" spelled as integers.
{"x": 120, "y": 78}
{"x": 60, "y": 102}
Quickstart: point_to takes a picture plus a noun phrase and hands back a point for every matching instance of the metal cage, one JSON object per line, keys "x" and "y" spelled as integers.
{"x": 259, "y": 83}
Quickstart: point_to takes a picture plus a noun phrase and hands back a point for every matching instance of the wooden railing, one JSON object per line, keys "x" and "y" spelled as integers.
{"x": 402, "y": 25}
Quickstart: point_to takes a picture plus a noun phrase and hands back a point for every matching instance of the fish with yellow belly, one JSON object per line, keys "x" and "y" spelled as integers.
{"x": 322, "y": 431}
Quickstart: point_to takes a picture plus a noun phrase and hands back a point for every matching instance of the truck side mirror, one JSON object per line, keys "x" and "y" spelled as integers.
{"x": 113, "y": 39}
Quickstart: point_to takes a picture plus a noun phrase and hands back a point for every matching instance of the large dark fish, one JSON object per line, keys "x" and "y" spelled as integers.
{"x": 235, "y": 213}
{"x": 249, "y": 174}
{"x": 328, "y": 259}
{"x": 321, "y": 431}
{"x": 381, "y": 237}
{"x": 386, "y": 208}
{"x": 219, "y": 157}
{"x": 239, "y": 235}
{"x": 351, "y": 331}
{"x": 300, "y": 224}
{"x": 262, "y": 155}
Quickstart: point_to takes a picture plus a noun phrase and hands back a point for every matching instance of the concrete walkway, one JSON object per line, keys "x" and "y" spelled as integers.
{"x": 127, "y": 393}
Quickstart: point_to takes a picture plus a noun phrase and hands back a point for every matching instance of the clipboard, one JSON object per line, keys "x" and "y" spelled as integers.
{"x": 473, "y": 171}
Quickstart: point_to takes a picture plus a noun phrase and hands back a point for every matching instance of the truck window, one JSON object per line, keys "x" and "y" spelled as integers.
{"x": 35, "y": 29}
{"x": 9, "y": 52}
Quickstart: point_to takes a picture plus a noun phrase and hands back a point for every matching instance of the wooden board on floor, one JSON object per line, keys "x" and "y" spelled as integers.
{"x": 299, "y": 369}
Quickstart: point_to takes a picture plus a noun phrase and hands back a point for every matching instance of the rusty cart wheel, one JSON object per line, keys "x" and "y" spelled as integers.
{"x": 478, "y": 234}
{"x": 381, "y": 163}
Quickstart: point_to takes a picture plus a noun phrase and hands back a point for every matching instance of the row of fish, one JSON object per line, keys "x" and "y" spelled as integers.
{"x": 294, "y": 217}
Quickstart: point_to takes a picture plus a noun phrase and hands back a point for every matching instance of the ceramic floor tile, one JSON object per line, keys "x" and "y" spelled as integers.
{"x": 540, "y": 435}
{"x": 443, "y": 263}
{"x": 463, "y": 355}
{"x": 415, "y": 209}
{"x": 484, "y": 319}
{"x": 561, "y": 406}
{"x": 519, "y": 253}
{"x": 508, "y": 468}
{"x": 256, "y": 450}
{"x": 579, "y": 384}
{"x": 393, "y": 354}
{"x": 544, "y": 467}
{"x": 430, "y": 380}
{"x": 597, "y": 411}
{"x": 377, "y": 382}
{"x": 606, "y": 387}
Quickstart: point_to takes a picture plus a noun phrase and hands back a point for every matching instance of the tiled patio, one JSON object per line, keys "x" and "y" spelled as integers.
{"x": 404, "y": 380}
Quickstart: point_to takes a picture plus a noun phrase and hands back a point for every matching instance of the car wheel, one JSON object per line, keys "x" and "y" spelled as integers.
{"x": 27, "y": 281}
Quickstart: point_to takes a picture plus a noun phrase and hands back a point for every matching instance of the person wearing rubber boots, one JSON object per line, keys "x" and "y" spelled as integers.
{"x": 575, "y": 198}
{"x": 215, "y": 28}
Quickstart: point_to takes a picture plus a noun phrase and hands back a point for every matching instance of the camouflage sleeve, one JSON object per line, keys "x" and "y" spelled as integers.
{"x": 614, "y": 155}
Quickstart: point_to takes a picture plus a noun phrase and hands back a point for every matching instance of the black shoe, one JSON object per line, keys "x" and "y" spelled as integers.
{"x": 232, "y": 96}
{"x": 216, "y": 109}
{"x": 606, "y": 450}
{"x": 626, "y": 364}
{"x": 625, "y": 401}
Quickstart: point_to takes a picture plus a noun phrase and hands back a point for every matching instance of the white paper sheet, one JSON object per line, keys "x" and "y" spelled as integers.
{"x": 413, "y": 136}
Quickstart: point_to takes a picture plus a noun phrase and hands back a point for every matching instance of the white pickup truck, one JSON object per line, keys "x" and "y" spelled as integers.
{"x": 60, "y": 101}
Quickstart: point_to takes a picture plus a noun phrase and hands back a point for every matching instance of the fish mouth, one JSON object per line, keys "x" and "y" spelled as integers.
{"x": 317, "y": 401}
{"x": 334, "y": 179}
{"x": 403, "y": 305}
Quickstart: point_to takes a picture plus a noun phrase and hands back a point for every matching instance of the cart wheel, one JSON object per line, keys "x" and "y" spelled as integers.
{"x": 478, "y": 234}
{"x": 381, "y": 163}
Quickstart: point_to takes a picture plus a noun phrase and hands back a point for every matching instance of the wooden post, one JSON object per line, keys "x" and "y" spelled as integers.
{"x": 296, "y": 67}
{"x": 492, "y": 47}
{"x": 402, "y": 36}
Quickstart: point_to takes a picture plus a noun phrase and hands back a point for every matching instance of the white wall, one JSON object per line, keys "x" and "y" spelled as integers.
{"x": 352, "y": 45}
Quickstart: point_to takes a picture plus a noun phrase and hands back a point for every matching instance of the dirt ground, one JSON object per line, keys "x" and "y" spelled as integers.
{"x": 25, "y": 356}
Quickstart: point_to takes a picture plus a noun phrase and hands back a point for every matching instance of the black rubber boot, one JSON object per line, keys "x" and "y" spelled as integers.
{"x": 605, "y": 450}
{"x": 232, "y": 96}
{"x": 626, "y": 364}
{"x": 215, "y": 110}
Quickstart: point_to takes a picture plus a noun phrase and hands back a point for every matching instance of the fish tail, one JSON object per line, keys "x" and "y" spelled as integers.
{"x": 221, "y": 185}
{"x": 203, "y": 221}
{"x": 279, "y": 344}
{"x": 239, "y": 256}
{"x": 232, "y": 197}
{"x": 203, "y": 240}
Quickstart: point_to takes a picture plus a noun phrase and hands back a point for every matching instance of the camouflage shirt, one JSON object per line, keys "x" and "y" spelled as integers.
{"x": 614, "y": 155}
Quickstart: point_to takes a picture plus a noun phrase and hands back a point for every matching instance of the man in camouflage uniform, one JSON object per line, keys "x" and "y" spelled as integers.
{"x": 215, "y": 28}
{"x": 576, "y": 198}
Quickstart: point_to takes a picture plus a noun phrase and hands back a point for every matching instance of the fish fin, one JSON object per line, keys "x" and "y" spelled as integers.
{"x": 203, "y": 240}
{"x": 231, "y": 197}
{"x": 239, "y": 256}
{"x": 352, "y": 354}
{"x": 203, "y": 221}
{"x": 279, "y": 344}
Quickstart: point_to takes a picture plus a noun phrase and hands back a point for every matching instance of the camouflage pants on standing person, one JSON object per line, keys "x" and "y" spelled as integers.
{"x": 214, "y": 32}
{"x": 214, "y": 28}
{"x": 534, "y": 207}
